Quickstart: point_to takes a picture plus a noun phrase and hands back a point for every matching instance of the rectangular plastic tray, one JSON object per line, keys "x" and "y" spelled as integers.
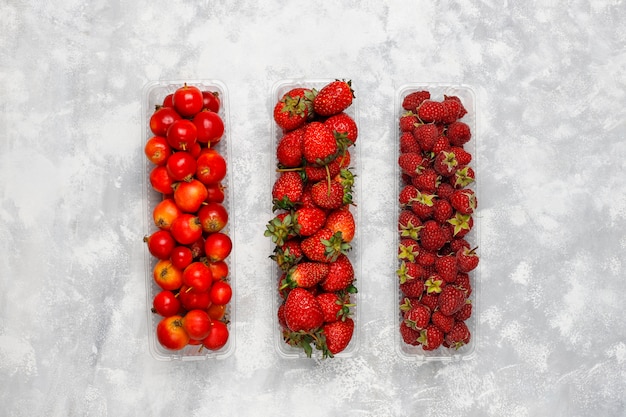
{"x": 468, "y": 98}
{"x": 284, "y": 350}
{"x": 153, "y": 94}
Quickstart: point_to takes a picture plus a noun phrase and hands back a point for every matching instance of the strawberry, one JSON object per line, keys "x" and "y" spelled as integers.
{"x": 465, "y": 312}
{"x": 467, "y": 259}
{"x": 443, "y": 322}
{"x": 408, "y": 143}
{"x": 422, "y": 205}
{"x": 464, "y": 201}
{"x": 408, "y": 249}
{"x": 462, "y": 156}
{"x": 458, "y": 336}
{"x": 408, "y": 121}
{"x": 445, "y": 163}
{"x": 442, "y": 211}
{"x": 287, "y": 190}
{"x": 341, "y": 220}
{"x": 337, "y": 336}
{"x": 302, "y": 311}
{"x": 319, "y": 145}
{"x": 346, "y": 179}
{"x": 324, "y": 246}
{"x": 305, "y": 274}
{"x": 426, "y": 135}
{"x": 458, "y": 133}
{"x": 288, "y": 254}
{"x": 431, "y": 337}
{"x": 409, "y": 335}
{"x": 413, "y": 100}
{"x": 409, "y": 224}
{"x": 462, "y": 110}
{"x": 461, "y": 223}
{"x": 281, "y": 228}
{"x": 308, "y": 220}
{"x": 293, "y": 109}
{"x": 335, "y": 306}
{"x": 289, "y": 149}
{"x": 412, "y": 163}
{"x": 431, "y": 236}
{"x": 446, "y": 267}
{"x": 463, "y": 282}
{"x": 451, "y": 300}
{"x": 416, "y": 316}
{"x": 328, "y": 195}
{"x": 462, "y": 177}
{"x": 410, "y": 271}
{"x": 426, "y": 181}
{"x": 340, "y": 275}
{"x": 344, "y": 128}
{"x": 431, "y": 111}
{"x": 333, "y": 98}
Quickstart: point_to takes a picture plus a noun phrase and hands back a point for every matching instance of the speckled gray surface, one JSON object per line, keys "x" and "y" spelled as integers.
{"x": 550, "y": 83}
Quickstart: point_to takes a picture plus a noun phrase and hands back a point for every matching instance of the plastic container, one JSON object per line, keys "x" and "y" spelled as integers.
{"x": 283, "y": 349}
{"x": 153, "y": 94}
{"x": 468, "y": 98}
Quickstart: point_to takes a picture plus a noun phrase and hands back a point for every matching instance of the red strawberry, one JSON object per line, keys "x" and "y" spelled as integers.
{"x": 337, "y": 336}
{"x": 432, "y": 237}
{"x": 408, "y": 143}
{"x": 334, "y": 306}
{"x": 458, "y": 133}
{"x": 328, "y": 195}
{"x": 445, "y": 163}
{"x": 462, "y": 177}
{"x": 333, "y": 98}
{"x": 289, "y": 149}
{"x": 281, "y": 316}
{"x": 442, "y": 321}
{"x": 422, "y": 205}
{"x": 341, "y": 220}
{"x": 340, "y": 275}
{"x": 287, "y": 255}
{"x": 462, "y": 110}
{"x": 408, "y": 249}
{"x": 431, "y": 111}
{"x": 413, "y": 100}
{"x": 308, "y": 220}
{"x": 461, "y": 224}
{"x": 446, "y": 267}
{"x": 427, "y": 181}
{"x": 344, "y": 128}
{"x": 319, "y": 145}
{"x": 409, "y": 335}
{"x": 426, "y": 135}
{"x": 464, "y": 201}
{"x": 324, "y": 246}
{"x": 287, "y": 190}
{"x": 458, "y": 336}
{"x": 305, "y": 275}
{"x": 451, "y": 300}
{"x": 292, "y": 110}
{"x": 467, "y": 259}
{"x": 408, "y": 121}
{"x": 442, "y": 211}
{"x": 412, "y": 163}
{"x": 416, "y": 316}
{"x": 431, "y": 337}
{"x": 409, "y": 224}
{"x": 281, "y": 228}
{"x": 410, "y": 271}
{"x": 302, "y": 311}
{"x": 413, "y": 288}
{"x": 464, "y": 313}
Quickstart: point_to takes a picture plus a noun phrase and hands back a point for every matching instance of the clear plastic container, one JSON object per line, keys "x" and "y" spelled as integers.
{"x": 153, "y": 94}
{"x": 283, "y": 349}
{"x": 468, "y": 98}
